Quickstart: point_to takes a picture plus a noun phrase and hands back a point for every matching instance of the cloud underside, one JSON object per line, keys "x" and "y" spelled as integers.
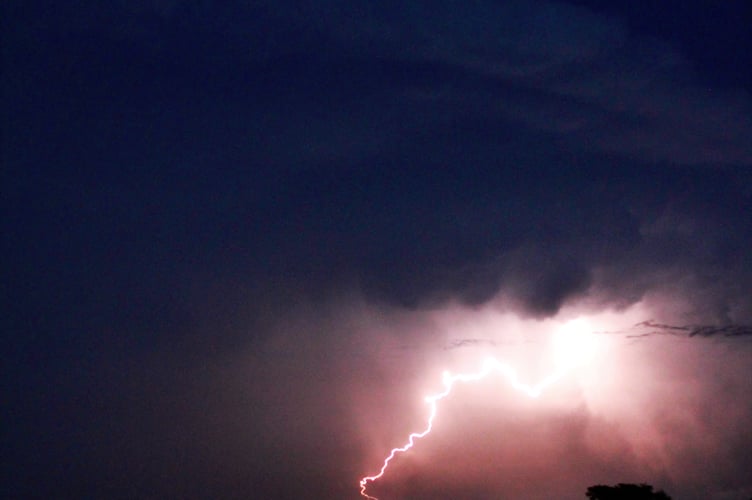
{"x": 439, "y": 151}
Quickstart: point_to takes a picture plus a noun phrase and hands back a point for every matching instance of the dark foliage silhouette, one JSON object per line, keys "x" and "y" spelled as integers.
{"x": 625, "y": 492}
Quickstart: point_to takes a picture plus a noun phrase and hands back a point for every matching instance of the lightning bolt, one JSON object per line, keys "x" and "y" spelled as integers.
{"x": 490, "y": 366}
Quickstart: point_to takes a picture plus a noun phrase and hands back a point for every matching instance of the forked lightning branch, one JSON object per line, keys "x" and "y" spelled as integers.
{"x": 572, "y": 347}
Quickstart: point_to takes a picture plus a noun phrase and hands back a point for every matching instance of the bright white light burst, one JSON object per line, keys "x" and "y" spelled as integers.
{"x": 573, "y": 345}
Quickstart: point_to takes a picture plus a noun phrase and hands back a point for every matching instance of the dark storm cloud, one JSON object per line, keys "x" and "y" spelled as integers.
{"x": 592, "y": 82}
{"x": 523, "y": 149}
{"x": 581, "y": 75}
{"x": 421, "y": 152}
{"x": 693, "y": 330}
{"x": 180, "y": 176}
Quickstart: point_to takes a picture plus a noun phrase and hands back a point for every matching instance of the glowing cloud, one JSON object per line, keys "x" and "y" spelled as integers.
{"x": 573, "y": 345}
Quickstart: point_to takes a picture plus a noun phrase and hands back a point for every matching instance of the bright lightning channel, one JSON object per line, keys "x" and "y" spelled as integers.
{"x": 490, "y": 366}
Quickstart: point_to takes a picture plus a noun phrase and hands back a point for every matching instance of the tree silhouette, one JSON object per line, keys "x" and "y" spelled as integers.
{"x": 625, "y": 492}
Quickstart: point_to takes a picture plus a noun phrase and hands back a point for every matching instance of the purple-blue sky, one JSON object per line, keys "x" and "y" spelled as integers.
{"x": 242, "y": 239}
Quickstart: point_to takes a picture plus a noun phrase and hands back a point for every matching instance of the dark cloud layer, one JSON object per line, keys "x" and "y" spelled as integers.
{"x": 525, "y": 148}
{"x": 693, "y": 330}
{"x": 179, "y": 177}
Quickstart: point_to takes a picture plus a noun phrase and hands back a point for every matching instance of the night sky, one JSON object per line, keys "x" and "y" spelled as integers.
{"x": 242, "y": 239}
